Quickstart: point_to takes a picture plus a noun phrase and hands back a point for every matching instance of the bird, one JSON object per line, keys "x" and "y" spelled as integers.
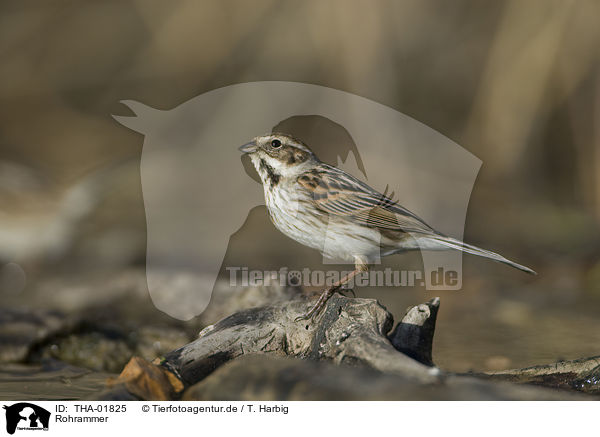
{"x": 328, "y": 209}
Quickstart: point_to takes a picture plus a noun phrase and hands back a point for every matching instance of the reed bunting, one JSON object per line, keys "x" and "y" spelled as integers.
{"x": 330, "y": 210}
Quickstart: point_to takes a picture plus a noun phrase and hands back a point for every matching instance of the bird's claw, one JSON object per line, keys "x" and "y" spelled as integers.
{"x": 318, "y": 306}
{"x": 304, "y": 316}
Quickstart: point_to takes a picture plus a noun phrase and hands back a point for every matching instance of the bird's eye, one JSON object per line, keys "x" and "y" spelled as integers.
{"x": 276, "y": 144}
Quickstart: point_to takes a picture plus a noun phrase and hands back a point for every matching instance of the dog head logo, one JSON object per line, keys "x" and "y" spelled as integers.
{"x": 197, "y": 194}
{"x": 26, "y": 416}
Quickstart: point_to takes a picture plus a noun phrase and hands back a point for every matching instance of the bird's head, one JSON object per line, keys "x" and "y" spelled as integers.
{"x": 276, "y": 156}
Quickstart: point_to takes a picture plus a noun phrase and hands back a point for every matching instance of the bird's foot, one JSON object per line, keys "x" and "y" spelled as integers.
{"x": 318, "y": 306}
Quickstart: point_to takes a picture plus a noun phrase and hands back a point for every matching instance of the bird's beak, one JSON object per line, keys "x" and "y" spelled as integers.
{"x": 249, "y": 147}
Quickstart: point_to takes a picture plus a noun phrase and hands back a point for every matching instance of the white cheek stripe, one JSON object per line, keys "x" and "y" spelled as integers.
{"x": 278, "y": 167}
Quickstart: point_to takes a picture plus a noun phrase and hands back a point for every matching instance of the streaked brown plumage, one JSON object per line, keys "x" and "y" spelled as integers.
{"x": 330, "y": 210}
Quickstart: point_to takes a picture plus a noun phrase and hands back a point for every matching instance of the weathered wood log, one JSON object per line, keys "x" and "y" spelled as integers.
{"x": 349, "y": 331}
{"x": 269, "y": 377}
{"x": 351, "y": 335}
{"x": 582, "y": 375}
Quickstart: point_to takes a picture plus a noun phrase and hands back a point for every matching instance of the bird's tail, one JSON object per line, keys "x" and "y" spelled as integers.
{"x": 452, "y": 243}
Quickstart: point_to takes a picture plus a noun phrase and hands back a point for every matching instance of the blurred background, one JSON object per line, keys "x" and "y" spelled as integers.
{"x": 515, "y": 83}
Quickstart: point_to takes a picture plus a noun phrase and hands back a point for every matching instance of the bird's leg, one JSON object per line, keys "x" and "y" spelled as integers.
{"x": 328, "y": 292}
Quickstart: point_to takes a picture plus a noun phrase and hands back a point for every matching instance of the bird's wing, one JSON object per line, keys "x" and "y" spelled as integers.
{"x": 341, "y": 194}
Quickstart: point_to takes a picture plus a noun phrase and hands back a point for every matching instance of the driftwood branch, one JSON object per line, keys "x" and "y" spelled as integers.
{"x": 582, "y": 375}
{"x": 349, "y": 351}
{"x": 349, "y": 331}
